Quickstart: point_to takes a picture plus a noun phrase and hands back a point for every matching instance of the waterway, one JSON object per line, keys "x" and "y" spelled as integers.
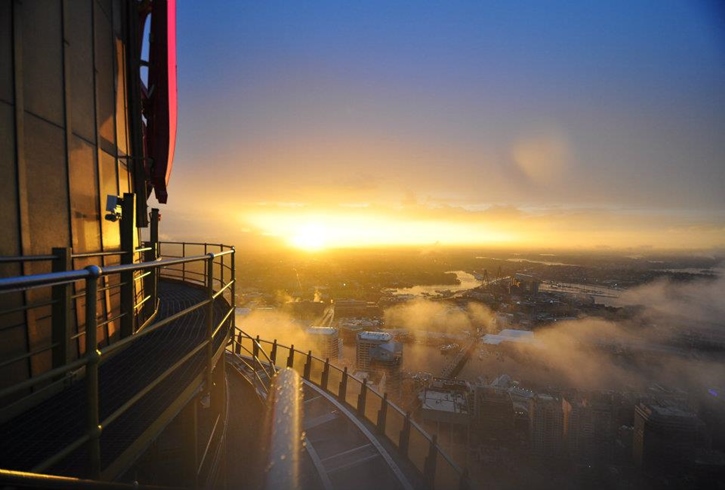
{"x": 466, "y": 281}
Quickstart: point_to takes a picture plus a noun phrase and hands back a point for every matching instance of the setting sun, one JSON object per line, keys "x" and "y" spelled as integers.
{"x": 310, "y": 237}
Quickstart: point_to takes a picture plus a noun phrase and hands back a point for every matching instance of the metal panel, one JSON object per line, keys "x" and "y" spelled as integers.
{"x": 43, "y": 59}
{"x": 105, "y": 86}
{"x": 6, "y": 52}
{"x": 47, "y": 186}
{"x": 80, "y": 45}
{"x": 85, "y": 219}
{"x": 9, "y": 238}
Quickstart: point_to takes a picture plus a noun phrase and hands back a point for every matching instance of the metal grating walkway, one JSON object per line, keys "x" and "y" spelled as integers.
{"x": 42, "y": 431}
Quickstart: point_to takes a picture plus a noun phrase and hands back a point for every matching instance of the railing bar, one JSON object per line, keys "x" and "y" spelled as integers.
{"x": 26, "y": 307}
{"x": 226, "y": 286}
{"x": 109, "y": 320}
{"x": 30, "y": 382}
{"x": 37, "y": 480}
{"x": 30, "y": 258}
{"x": 119, "y": 411}
{"x": 27, "y": 355}
{"x": 221, "y": 322}
{"x": 153, "y": 327}
{"x": 208, "y": 444}
{"x": 57, "y": 457}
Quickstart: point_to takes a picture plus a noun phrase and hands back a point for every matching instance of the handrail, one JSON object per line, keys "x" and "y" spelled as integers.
{"x": 427, "y": 468}
{"x": 37, "y": 480}
{"x": 217, "y": 282}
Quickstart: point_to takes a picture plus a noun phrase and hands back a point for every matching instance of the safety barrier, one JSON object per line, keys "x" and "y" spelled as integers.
{"x": 411, "y": 441}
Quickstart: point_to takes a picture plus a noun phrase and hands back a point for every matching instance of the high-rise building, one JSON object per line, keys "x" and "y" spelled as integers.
{"x": 665, "y": 435}
{"x": 589, "y": 426}
{"x": 493, "y": 416}
{"x": 377, "y": 348}
{"x": 326, "y": 342}
{"x": 546, "y": 426}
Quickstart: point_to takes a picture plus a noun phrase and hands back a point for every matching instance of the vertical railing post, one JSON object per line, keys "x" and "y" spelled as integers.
{"x": 273, "y": 353}
{"x": 404, "y": 438}
{"x": 128, "y": 230}
{"x": 238, "y": 346}
{"x": 325, "y": 374}
{"x": 342, "y": 394}
{"x": 183, "y": 266}
{"x": 383, "y": 414}
{"x": 234, "y": 288}
{"x": 291, "y": 357}
{"x": 151, "y": 282}
{"x": 210, "y": 320}
{"x": 93, "y": 357}
{"x": 361, "y": 398}
{"x": 61, "y": 322}
{"x": 308, "y": 366}
{"x": 255, "y": 347}
{"x": 429, "y": 467}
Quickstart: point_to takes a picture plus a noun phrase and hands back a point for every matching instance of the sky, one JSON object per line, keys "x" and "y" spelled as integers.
{"x": 486, "y": 123}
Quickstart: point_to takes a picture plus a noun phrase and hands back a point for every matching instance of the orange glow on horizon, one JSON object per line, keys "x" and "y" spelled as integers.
{"x": 318, "y": 231}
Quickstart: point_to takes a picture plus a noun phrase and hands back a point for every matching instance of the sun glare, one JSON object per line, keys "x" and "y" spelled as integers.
{"x": 310, "y": 237}
{"x": 317, "y": 231}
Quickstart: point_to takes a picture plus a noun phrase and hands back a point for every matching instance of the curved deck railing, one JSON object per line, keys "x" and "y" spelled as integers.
{"x": 214, "y": 270}
{"x": 411, "y": 441}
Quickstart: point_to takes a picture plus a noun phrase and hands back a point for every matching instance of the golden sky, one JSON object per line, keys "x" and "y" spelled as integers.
{"x": 457, "y": 123}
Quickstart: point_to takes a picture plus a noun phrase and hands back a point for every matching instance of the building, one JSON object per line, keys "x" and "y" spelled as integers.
{"x": 546, "y": 426}
{"x": 666, "y": 435}
{"x": 326, "y": 341}
{"x": 493, "y": 416}
{"x": 590, "y": 426}
{"x": 446, "y": 401}
{"x": 377, "y": 348}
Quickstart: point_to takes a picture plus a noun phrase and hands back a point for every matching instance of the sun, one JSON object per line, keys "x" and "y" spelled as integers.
{"x": 310, "y": 237}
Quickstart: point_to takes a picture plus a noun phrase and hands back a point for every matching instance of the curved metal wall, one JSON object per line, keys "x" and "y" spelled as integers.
{"x": 64, "y": 146}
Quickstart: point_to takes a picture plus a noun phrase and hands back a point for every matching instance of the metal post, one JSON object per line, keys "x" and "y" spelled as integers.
{"x": 151, "y": 283}
{"x": 128, "y": 230}
{"x": 308, "y": 366}
{"x": 255, "y": 347}
{"x": 61, "y": 320}
{"x": 325, "y": 374}
{"x": 273, "y": 354}
{"x": 404, "y": 439}
{"x": 210, "y": 321}
{"x": 429, "y": 467}
{"x": 343, "y": 386}
{"x": 93, "y": 358}
{"x": 383, "y": 414}
{"x": 361, "y": 398}
{"x": 234, "y": 288}
{"x": 238, "y": 346}
{"x": 291, "y": 357}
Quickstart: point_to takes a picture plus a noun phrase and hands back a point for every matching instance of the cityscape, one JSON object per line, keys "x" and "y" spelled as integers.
{"x": 597, "y": 369}
{"x": 382, "y": 244}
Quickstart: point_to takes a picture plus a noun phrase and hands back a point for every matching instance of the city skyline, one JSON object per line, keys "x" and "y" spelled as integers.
{"x": 503, "y": 124}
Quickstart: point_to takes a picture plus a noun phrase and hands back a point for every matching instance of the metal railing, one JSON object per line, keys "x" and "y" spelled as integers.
{"x": 218, "y": 279}
{"x": 411, "y": 440}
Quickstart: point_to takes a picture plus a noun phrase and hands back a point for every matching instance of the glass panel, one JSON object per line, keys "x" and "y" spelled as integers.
{"x": 373, "y": 402}
{"x": 333, "y": 381}
{"x": 316, "y": 371}
{"x": 121, "y": 110}
{"x": 418, "y": 448}
{"x": 394, "y": 425}
{"x": 9, "y": 241}
{"x": 446, "y": 475}
{"x": 354, "y": 387}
